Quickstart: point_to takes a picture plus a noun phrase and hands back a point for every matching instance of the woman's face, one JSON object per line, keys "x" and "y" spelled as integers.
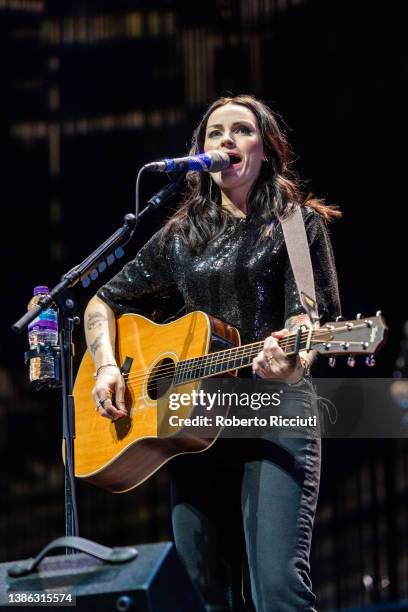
{"x": 233, "y": 128}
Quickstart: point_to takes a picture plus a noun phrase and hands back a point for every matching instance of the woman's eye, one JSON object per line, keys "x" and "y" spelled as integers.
{"x": 244, "y": 129}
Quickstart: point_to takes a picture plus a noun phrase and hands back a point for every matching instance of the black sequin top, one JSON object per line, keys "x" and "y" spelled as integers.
{"x": 246, "y": 284}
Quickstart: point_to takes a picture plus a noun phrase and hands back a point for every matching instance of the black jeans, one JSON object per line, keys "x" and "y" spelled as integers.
{"x": 250, "y": 503}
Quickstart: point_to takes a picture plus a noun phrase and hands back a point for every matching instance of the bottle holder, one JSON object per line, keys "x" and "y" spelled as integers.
{"x": 43, "y": 350}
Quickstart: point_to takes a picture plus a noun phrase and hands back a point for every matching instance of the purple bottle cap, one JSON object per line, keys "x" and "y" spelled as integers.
{"x": 41, "y": 289}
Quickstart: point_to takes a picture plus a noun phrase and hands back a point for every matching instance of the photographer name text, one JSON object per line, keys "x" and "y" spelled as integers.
{"x": 235, "y": 421}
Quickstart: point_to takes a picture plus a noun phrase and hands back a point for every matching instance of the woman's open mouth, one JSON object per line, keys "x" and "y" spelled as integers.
{"x": 234, "y": 159}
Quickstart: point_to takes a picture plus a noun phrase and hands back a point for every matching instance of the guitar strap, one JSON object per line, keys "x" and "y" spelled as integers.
{"x": 299, "y": 256}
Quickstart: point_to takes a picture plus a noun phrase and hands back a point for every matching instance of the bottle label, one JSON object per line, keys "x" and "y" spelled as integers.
{"x": 48, "y": 319}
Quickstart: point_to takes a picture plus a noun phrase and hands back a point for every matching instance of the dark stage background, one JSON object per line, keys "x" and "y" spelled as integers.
{"x": 91, "y": 91}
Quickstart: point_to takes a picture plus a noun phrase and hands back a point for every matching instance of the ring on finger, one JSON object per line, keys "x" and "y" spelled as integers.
{"x": 269, "y": 360}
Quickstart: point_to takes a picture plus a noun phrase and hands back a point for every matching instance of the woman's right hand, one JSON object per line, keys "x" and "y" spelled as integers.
{"x": 109, "y": 393}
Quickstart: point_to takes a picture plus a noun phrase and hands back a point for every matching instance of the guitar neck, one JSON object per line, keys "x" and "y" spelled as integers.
{"x": 222, "y": 362}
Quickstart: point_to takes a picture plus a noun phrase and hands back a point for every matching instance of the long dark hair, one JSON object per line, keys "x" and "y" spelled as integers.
{"x": 273, "y": 195}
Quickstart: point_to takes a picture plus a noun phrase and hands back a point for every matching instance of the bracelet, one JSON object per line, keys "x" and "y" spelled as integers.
{"x": 105, "y": 365}
{"x": 306, "y": 371}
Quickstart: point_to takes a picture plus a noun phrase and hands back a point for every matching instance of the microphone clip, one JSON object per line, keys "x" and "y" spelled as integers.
{"x": 165, "y": 193}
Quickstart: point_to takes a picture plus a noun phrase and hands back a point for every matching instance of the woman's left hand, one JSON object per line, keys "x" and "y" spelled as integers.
{"x": 272, "y": 362}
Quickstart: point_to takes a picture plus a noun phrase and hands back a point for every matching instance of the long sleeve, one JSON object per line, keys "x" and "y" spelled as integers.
{"x": 145, "y": 285}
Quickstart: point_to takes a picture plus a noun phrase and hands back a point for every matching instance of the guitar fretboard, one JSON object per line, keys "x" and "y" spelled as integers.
{"x": 236, "y": 358}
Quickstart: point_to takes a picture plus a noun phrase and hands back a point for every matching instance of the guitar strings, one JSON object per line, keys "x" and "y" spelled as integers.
{"x": 213, "y": 360}
{"x": 208, "y": 360}
{"x": 246, "y": 350}
{"x": 167, "y": 370}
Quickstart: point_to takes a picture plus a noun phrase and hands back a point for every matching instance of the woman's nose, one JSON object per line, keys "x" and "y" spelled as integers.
{"x": 227, "y": 139}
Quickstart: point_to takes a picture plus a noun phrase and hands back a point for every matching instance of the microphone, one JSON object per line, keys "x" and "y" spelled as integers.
{"x": 212, "y": 161}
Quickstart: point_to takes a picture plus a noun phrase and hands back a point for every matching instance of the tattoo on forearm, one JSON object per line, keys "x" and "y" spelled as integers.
{"x": 95, "y": 320}
{"x": 97, "y": 343}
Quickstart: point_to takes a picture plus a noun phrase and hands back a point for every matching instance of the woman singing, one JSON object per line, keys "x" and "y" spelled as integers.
{"x": 224, "y": 252}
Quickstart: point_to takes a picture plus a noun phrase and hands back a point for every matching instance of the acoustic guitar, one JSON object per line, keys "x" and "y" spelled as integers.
{"x": 157, "y": 360}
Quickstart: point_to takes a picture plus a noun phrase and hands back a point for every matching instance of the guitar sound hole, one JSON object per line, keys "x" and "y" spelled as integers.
{"x": 161, "y": 378}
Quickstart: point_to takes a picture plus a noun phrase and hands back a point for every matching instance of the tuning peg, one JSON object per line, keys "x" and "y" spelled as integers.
{"x": 378, "y": 313}
{"x": 332, "y": 362}
{"x": 351, "y": 361}
{"x": 359, "y": 316}
{"x": 370, "y": 361}
{"x": 339, "y": 318}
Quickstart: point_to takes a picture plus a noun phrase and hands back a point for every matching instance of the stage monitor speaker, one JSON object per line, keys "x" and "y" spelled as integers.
{"x": 155, "y": 581}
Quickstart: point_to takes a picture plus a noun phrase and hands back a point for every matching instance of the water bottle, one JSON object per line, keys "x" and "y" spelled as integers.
{"x": 43, "y": 331}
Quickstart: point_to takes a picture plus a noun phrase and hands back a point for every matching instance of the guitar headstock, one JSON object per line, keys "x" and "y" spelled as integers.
{"x": 363, "y": 336}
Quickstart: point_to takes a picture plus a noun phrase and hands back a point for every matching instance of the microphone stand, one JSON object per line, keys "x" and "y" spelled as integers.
{"x": 67, "y": 319}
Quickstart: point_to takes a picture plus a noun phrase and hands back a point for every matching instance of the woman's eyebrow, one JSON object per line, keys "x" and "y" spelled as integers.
{"x": 220, "y": 125}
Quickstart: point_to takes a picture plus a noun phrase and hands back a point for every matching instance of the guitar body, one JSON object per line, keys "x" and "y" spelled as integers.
{"x": 119, "y": 455}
